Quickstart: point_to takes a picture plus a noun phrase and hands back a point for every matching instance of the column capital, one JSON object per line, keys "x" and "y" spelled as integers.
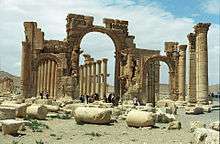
{"x": 201, "y": 27}
{"x": 191, "y": 37}
{"x": 98, "y": 61}
{"x": 104, "y": 59}
{"x": 182, "y": 47}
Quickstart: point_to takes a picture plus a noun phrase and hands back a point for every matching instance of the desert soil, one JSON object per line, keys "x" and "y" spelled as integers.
{"x": 68, "y": 132}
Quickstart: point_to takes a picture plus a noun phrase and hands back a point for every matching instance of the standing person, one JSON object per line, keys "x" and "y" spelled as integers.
{"x": 87, "y": 99}
{"x": 109, "y": 99}
{"x": 135, "y": 101}
{"x": 82, "y": 99}
{"x": 115, "y": 100}
{"x": 41, "y": 95}
{"x": 47, "y": 95}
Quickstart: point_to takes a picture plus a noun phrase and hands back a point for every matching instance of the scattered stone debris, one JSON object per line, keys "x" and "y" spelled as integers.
{"x": 37, "y": 111}
{"x": 174, "y": 125}
{"x": 196, "y": 124}
{"x": 11, "y": 126}
{"x": 206, "y": 135}
{"x": 215, "y": 125}
{"x": 194, "y": 110}
{"x": 94, "y": 134}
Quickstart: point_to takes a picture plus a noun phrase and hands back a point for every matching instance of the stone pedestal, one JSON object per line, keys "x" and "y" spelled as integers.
{"x": 182, "y": 72}
{"x": 192, "y": 67}
{"x": 201, "y": 31}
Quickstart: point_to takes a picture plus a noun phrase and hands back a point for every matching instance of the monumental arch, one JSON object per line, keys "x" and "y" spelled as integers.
{"x": 53, "y": 65}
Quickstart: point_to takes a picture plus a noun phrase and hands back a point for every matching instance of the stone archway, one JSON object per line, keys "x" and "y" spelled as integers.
{"x": 78, "y": 26}
{"x": 151, "y": 69}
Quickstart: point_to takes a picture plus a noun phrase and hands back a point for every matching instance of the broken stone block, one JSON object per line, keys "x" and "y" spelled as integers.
{"x": 92, "y": 115}
{"x": 73, "y": 106}
{"x": 7, "y": 112}
{"x": 146, "y": 108}
{"x": 168, "y": 104}
{"x": 215, "y": 125}
{"x": 51, "y": 108}
{"x": 136, "y": 118}
{"x": 207, "y": 136}
{"x": 10, "y": 126}
{"x": 196, "y": 124}
{"x": 174, "y": 125}
{"x": 194, "y": 110}
{"x": 207, "y": 108}
{"x": 43, "y": 101}
{"x": 30, "y": 100}
{"x": 37, "y": 111}
{"x": 20, "y": 108}
{"x": 162, "y": 117}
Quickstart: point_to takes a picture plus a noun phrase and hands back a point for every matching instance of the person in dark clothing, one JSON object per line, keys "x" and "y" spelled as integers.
{"x": 135, "y": 101}
{"x": 115, "y": 100}
{"x": 47, "y": 95}
{"x": 109, "y": 98}
{"x": 41, "y": 95}
{"x": 82, "y": 99}
{"x": 105, "y": 98}
{"x": 87, "y": 99}
{"x": 96, "y": 96}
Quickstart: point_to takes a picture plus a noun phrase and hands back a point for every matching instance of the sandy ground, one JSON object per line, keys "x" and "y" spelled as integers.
{"x": 68, "y": 132}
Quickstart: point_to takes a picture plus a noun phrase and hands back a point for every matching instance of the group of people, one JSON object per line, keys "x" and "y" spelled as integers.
{"x": 111, "y": 98}
{"x": 89, "y": 99}
{"x": 44, "y": 94}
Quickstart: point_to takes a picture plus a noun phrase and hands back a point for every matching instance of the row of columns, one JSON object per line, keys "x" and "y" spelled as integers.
{"x": 93, "y": 78}
{"x": 46, "y": 77}
{"x": 198, "y": 82}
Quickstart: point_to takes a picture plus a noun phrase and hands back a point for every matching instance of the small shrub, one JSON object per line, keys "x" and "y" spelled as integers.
{"x": 39, "y": 142}
{"x": 37, "y": 126}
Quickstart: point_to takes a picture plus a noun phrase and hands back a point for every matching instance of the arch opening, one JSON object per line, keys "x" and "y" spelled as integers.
{"x": 100, "y": 45}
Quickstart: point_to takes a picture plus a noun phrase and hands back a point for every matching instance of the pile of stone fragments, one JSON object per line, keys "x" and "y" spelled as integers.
{"x": 15, "y": 110}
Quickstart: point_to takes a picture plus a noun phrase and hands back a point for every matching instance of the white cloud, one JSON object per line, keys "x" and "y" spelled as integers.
{"x": 150, "y": 24}
{"x": 212, "y": 6}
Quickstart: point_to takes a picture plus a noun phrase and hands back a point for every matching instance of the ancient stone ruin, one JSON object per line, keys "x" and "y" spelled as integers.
{"x": 6, "y": 85}
{"x": 53, "y": 65}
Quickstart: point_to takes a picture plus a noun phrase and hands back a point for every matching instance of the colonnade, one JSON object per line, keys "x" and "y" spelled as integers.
{"x": 46, "y": 77}
{"x": 93, "y": 77}
{"x": 198, "y": 82}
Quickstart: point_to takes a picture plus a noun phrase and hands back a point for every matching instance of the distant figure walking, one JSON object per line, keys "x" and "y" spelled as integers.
{"x": 47, "y": 95}
{"x": 115, "y": 100}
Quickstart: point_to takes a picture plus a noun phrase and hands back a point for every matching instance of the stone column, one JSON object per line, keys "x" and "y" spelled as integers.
{"x": 182, "y": 72}
{"x": 192, "y": 67}
{"x": 52, "y": 78}
{"x": 93, "y": 84}
{"x": 104, "y": 78}
{"x": 98, "y": 81}
{"x": 201, "y": 31}
{"x": 38, "y": 80}
{"x": 89, "y": 79}
{"x": 81, "y": 79}
{"x": 85, "y": 79}
{"x": 26, "y": 72}
{"x": 48, "y": 77}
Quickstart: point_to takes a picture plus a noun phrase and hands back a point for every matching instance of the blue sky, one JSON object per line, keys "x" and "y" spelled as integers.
{"x": 152, "y": 22}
